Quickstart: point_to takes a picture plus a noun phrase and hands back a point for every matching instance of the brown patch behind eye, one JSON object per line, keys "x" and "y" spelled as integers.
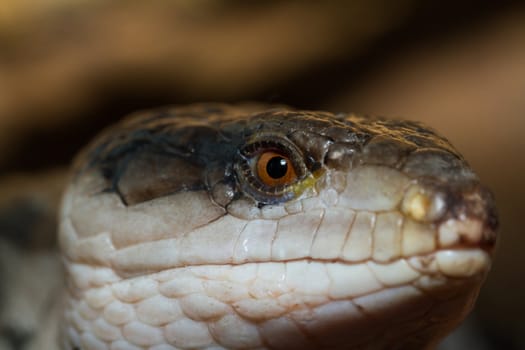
{"x": 148, "y": 176}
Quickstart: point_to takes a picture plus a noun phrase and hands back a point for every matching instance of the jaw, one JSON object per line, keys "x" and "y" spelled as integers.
{"x": 303, "y": 304}
{"x": 396, "y": 318}
{"x": 369, "y": 306}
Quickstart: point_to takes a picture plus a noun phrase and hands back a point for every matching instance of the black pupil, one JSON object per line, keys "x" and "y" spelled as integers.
{"x": 277, "y": 167}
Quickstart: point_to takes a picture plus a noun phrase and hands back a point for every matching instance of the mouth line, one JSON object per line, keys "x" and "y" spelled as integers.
{"x": 424, "y": 259}
{"x": 458, "y": 249}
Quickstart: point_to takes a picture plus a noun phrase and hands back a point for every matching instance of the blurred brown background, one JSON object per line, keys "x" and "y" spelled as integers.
{"x": 68, "y": 69}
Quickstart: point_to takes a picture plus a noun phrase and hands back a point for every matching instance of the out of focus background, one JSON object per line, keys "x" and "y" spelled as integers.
{"x": 69, "y": 68}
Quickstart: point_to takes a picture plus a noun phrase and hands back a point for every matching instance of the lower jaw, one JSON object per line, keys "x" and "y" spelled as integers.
{"x": 300, "y": 304}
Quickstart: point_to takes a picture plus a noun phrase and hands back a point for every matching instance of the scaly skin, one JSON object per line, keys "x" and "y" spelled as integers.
{"x": 171, "y": 240}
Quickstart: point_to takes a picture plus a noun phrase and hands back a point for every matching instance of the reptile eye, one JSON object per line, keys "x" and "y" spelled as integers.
{"x": 269, "y": 169}
{"x": 275, "y": 169}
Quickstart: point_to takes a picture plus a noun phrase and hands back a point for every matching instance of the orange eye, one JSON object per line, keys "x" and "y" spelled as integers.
{"x": 275, "y": 169}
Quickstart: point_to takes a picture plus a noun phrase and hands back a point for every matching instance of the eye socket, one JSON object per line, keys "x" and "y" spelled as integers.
{"x": 275, "y": 169}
